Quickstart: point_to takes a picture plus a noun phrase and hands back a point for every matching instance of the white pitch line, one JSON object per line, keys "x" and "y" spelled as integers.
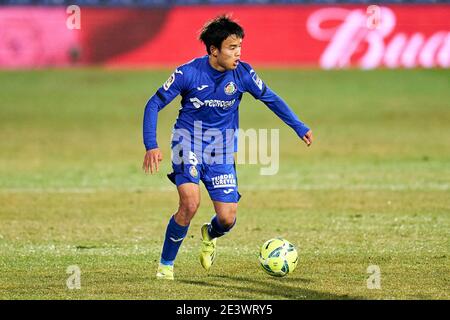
{"x": 362, "y": 187}
{"x": 84, "y": 190}
{"x": 245, "y": 187}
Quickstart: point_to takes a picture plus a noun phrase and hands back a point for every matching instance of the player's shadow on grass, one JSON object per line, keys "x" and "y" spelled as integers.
{"x": 241, "y": 287}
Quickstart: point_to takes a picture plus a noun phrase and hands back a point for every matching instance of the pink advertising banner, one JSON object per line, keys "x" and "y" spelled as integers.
{"x": 329, "y": 37}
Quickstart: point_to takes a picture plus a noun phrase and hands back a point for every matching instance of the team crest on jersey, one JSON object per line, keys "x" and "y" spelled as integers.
{"x": 169, "y": 81}
{"x": 230, "y": 88}
{"x": 193, "y": 171}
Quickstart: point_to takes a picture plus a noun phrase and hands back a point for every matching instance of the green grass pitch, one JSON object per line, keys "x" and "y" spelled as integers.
{"x": 372, "y": 190}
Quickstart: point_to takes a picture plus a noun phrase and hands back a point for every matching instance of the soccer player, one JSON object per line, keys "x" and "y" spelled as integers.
{"x": 211, "y": 88}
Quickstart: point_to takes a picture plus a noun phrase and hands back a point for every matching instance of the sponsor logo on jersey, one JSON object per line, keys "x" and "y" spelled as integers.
{"x": 230, "y": 88}
{"x": 203, "y": 86}
{"x": 220, "y": 103}
{"x": 228, "y": 191}
{"x": 224, "y": 181}
{"x": 196, "y": 102}
{"x": 225, "y": 104}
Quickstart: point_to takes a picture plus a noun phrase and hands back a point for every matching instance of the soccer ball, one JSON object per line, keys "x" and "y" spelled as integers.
{"x": 278, "y": 257}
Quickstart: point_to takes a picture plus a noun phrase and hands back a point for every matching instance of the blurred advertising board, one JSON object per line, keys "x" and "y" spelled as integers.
{"x": 329, "y": 37}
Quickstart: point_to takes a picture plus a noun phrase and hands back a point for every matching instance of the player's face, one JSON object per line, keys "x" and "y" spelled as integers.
{"x": 230, "y": 53}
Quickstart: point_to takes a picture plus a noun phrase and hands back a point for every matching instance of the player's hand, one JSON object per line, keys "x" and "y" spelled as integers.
{"x": 151, "y": 160}
{"x": 308, "y": 138}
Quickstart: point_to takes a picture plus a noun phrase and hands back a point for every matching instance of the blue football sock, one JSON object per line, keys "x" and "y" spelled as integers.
{"x": 172, "y": 241}
{"x": 216, "y": 230}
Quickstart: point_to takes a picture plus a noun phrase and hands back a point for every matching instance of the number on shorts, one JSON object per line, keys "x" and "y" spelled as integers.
{"x": 193, "y": 158}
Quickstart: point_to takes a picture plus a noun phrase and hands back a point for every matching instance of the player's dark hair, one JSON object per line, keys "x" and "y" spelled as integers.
{"x": 215, "y": 31}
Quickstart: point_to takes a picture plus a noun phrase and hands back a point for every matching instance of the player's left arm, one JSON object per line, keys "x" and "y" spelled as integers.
{"x": 256, "y": 87}
{"x": 285, "y": 113}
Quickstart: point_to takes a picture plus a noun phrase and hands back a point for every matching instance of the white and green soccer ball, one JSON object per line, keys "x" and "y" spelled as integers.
{"x": 278, "y": 257}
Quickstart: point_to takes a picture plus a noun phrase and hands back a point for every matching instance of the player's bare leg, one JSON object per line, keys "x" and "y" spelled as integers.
{"x": 219, "y": 226}
{"x": 189, "y": 194}
{"x": 226, "y": 213}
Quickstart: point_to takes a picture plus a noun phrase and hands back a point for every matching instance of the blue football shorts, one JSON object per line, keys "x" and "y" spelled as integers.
{"x": 219, "y": 179}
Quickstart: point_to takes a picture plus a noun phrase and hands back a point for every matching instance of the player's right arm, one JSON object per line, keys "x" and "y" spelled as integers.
{"x": 163, "y": 96}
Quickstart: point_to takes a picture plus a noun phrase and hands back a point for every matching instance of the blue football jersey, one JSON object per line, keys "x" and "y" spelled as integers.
{"x": 210, "y": 104}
